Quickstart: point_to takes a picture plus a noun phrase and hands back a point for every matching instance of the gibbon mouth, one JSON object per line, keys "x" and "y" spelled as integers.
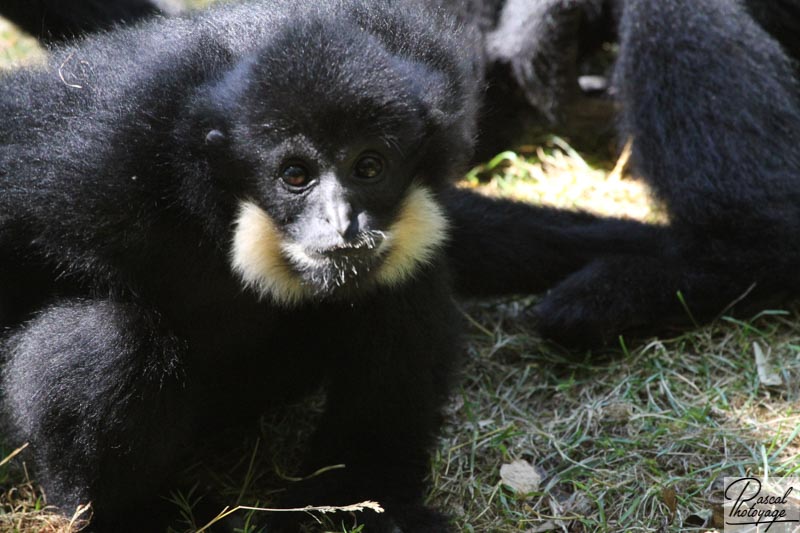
{"x": 333, "y": 267}
{"x": 365, "y": 244}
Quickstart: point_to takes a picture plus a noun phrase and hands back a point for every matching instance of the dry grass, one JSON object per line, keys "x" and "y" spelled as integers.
{"x": 632, "y": 439}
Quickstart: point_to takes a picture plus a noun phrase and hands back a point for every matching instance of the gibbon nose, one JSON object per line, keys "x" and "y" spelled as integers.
{"x": 341, "y": 218}
{"x": 340, "y": 214}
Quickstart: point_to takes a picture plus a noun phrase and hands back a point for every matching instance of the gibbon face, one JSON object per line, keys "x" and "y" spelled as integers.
{"x": 335, "y": 198}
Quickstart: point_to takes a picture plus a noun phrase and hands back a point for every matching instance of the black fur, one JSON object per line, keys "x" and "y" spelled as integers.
{"x": 709, "y": 94}
{"x": 713, "y": 136}
{"x": 127, "y": 333}
{"x": 122, "y": 163}
{"x": 61, "y": 20}
{"x": 129, "y": 327}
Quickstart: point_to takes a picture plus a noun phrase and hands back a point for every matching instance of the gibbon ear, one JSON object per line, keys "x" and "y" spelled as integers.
{"x": 205, "y": 125}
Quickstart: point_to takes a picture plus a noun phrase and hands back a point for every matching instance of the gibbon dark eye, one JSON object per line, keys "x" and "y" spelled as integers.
{"x": 295, "y": 175}
{"x": 368, "y": 167}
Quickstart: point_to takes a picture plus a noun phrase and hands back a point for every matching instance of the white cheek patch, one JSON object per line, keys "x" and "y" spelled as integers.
{"x": 414, "y": 238}
{"x": 257, "y": 257}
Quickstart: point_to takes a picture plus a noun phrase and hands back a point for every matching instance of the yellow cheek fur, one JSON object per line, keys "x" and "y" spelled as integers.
{"x": 414, "y": 238}
{"x": 256, "y": 256}
{"x": 257, "y": 253}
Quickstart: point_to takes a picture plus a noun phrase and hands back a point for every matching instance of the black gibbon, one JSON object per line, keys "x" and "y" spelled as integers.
{"x": 205, "y": 217}
{"x": 701, "y": 121}
{"x": 708, "y": 93}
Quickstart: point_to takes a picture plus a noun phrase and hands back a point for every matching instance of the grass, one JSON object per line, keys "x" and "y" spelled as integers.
{"x": 16, "y": 48}
{"x": 633, "y": 438}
